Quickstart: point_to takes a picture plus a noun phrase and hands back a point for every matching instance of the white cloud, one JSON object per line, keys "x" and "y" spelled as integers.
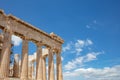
{"x": 78, "y": 50}
{"x": 94, "y": 21}
{"x": 88, "y": 42}
{"x": 83, "y": 43}
{"x": 92, "y": 56}
{"x": 67, "y": 47}
{"x": 78, "y": 62}
{"x": 80, "y": 43}
{"x": 70, "y": 65}
{"x": 91, "y": 25}
{"x": 88, "y": 26}
{"x": 106, "y": 73}
{"x": 77, "y": 47}
{"x": 62, "y": 58}
{"x": 16, "y": 40}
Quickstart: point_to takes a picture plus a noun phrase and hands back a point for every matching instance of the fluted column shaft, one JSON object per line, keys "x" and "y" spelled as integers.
{"x": 50, "y": 65}
{"x": 39, "y": 70}
{"x": 24, "y": 64}
{"x": 33, "y": 70}
{"x": 59, "y": 66}
{"x": 1, "y": 43}
{"x": 19, "y": 68}
{"x": 44, "y": 68}
{"x": 30, "y": 70}
{"x": 5, "y": 55}
{"x": 16, "y": 66}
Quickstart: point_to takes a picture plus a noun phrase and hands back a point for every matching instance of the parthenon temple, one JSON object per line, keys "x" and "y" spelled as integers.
{"x": 23, "y": 68}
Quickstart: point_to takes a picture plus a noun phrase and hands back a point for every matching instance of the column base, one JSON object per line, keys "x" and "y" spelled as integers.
{"x": 24, "y": 79}
{"x": 10, "y": 79}
{"x": 2, "y": 77}
{"x": 39, "y": 79}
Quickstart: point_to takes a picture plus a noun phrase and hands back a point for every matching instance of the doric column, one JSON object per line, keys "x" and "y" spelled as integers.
{"x": 1, "y": 43}
{"x": 33, "y": 71}
{"x": 16, "y": 66}
{"x": 50, "y": 65}
{"x": 24, "y": 63}
{"x": 5, "y": 54}
{"x": 30, "y": 70}
{"x": 39, "y": 70}
{"x": 59, "y": 66}
{"x": 44, "y": 68}
{"x": 19, "y": 67}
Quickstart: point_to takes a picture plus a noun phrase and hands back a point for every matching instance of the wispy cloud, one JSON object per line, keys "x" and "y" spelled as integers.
{"x": 83, "y": 43}
{"x": 67, "y": 47}
{"x": 88, "y": 26}
{"x": 79, "y": 61}
{"x": 16, "y": 40}
{"x": 92, "y": 24}
{"x": 62, "y": 58}
{"x": 77, "y": 46}
{"x": 106, "y": 73}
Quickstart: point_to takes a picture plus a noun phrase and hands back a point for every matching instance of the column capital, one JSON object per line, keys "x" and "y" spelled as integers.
{"x": 16, "y": 55}
{"x": 7, "y": 29}
{"x": 38, "y": 44}
{"x": 44, "y": 55}
{"x": 49, "y": 47}
{"x": 8, "y": 26}
{"x": 58, "y": 51}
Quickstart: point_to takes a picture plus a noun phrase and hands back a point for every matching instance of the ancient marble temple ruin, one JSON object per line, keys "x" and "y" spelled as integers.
{"x": 52, "y": 43}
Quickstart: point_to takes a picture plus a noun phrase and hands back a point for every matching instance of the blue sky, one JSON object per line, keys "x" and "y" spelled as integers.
{"x": 90, "y": 28}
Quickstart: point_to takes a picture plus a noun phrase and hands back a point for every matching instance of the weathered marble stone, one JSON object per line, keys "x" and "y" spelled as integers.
{"x": 16, "y": 66}
{"x": 10, "y": 25}
{"x": 39, "y": 68}
{"x": 24, "y": 64}
{"x": 50, "y": 65}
